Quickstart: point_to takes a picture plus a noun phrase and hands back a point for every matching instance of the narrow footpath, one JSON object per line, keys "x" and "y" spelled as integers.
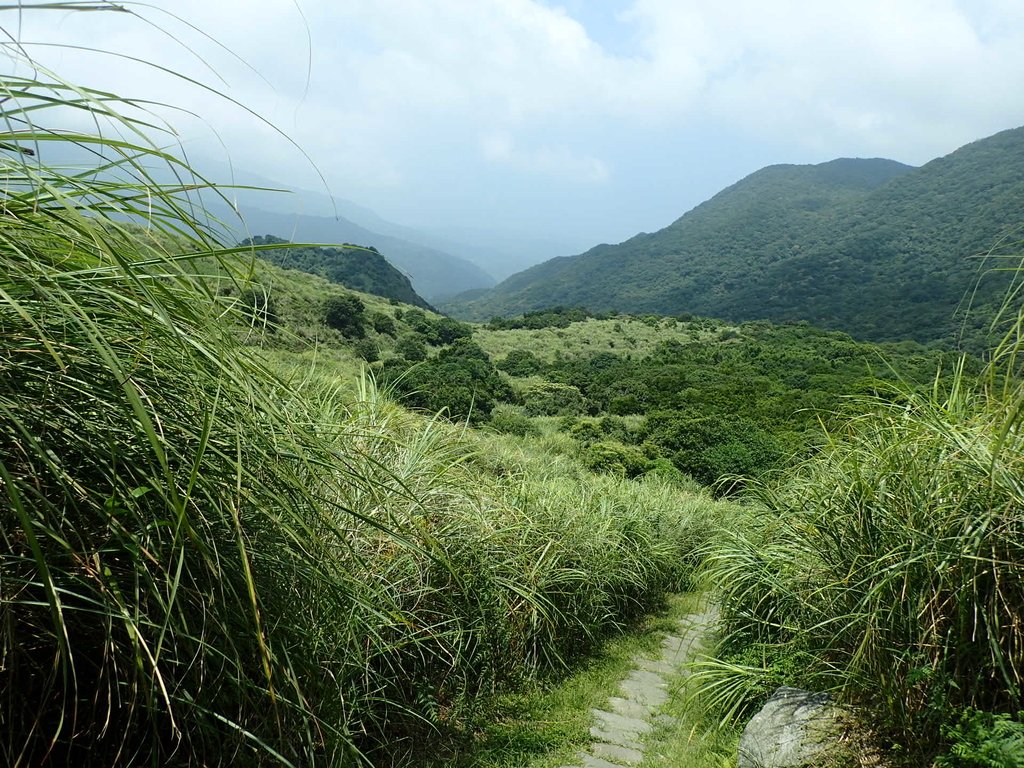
{"x": 621, "y": 729}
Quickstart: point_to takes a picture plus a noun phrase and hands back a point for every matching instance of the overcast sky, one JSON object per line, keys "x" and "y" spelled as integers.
{"x": 582, "y": 120}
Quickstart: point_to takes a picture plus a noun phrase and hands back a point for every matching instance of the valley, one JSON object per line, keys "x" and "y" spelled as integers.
{"x": 299, "y": 499}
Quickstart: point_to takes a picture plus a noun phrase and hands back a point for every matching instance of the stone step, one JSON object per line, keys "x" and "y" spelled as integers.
{"x": 617, "y": 729}
{"x": 613, "y": 752}
{"x": 629, "y": 707}
{"x": 589, "y": 761}
{"x": 645, "y": 687}
{"x": 657, "y": 666}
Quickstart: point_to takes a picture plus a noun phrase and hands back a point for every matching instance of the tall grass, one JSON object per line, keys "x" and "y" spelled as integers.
{"x": 160, "y": 509}
{"x": 503, "y": 561}
{"x": 890, "y": 566}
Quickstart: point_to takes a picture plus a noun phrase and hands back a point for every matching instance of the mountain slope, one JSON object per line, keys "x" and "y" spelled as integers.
{"x": 872, "y": 247}
{"x": 911, "y": 252}
{"x": 360, "y": 269}
{"x": 756, "y": 221}
{"x": 434, "y": 274}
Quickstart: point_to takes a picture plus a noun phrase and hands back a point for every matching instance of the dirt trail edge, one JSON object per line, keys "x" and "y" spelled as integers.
{"x": 621, "y": 728}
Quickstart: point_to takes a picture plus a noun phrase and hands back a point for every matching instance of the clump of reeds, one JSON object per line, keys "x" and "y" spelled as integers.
{"x": 890, "y": 565}
{"x": 502, "y": 561}
{"x": 157, "y": 504}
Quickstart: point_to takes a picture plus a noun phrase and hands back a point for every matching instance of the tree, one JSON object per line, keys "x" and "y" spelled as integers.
{"x": 461, "y": 380}
{"x": 411, "y": 348}
{"x": 344, "y": 312}
{"x": 521, "y": 362}
{"x": 383, "y": 323}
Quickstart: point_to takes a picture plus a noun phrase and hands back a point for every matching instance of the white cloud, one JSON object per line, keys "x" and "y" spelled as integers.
{"x": 870, "y": 73}
{"x": 780, "y": 66}
{"x": 400, "y": 88}
{"x": 559, "y": 162}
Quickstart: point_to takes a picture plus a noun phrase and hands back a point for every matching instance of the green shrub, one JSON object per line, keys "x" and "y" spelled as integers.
{"x": 460, "y": 380}
{"x": 665, "y": 470}
{"x": 587, "y": 431}
{"x": 713, "y": 448}
{"x": 411, "y": 348}
{"x": 511, "y": 421}
{"x": 384, "y": 324}
{"x": 520, "y": 362}
{"x": 344, "y": 313}
{"x": 553, "y": 399}
{"x": 616, "y": 428}
{"x": 614, "y": 458}
{"x": 448, "y": 330}
{"x": 367, "y": 349}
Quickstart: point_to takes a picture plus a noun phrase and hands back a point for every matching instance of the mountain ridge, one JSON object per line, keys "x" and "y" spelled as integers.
{"x": 819, "y": 242}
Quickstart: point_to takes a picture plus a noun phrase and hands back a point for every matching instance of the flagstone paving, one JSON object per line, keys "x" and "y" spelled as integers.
{"x": 620, "y": 728}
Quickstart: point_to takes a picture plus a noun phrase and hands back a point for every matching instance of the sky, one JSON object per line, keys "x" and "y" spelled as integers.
{"x": 582, "y": 121}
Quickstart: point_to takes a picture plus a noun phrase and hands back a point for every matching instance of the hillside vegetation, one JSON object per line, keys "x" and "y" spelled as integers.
{"x": 887, "y": 570}
{"x": 694, "y": 396}
{"x": 870, "y": 247}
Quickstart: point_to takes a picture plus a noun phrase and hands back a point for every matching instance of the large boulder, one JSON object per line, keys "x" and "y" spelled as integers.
{"x": 794, "y": 729}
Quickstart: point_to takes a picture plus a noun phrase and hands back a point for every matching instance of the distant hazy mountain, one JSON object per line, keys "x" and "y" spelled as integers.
{"x": 873, "y": 247}
{"x": 495, "y": 253}
{"x": 499, "y": 252}
{"x": 434, "y": 274}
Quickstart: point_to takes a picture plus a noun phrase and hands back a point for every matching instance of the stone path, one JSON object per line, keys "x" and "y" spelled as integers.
{"x": 620, "y": 729}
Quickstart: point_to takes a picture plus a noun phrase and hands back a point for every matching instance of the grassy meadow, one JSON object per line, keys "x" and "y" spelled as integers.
{"x": 627, "y": 334}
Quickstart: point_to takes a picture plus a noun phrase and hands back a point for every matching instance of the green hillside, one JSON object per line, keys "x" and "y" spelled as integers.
{"x": 871, "y": 247}
{"x": 356, "y": 267}
{"x": 434, "y": 274}
{"x": 628, "y": 394}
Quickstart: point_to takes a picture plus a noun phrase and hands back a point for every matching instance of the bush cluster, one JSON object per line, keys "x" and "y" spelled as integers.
{"x": 892, "y": 564}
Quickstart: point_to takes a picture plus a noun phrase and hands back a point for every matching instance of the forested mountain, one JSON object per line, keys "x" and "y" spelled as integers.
{"x": 434, "y": 274}
{"x": 872, "y": 247}
{"x": 359, "y": 268}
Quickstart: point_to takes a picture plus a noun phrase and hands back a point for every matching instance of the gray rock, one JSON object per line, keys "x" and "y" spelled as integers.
{"x": 615, "y": 753}
{"x": 629, "y": 707}
{"x": 794, "y": 729}
{"x": 589, "y": 761}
